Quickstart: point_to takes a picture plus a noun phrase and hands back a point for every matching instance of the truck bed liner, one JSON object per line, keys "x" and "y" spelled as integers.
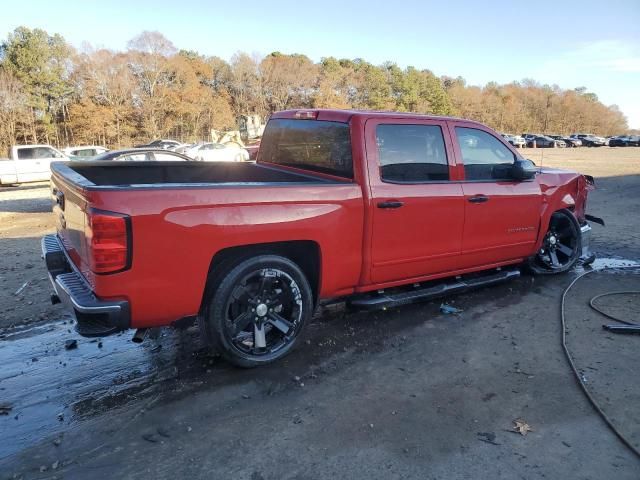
{"x": 145, "y": 174}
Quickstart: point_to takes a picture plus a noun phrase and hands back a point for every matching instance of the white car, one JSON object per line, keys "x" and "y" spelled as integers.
{"x": 217, "y": 152}
{"x": 29, "y": 163}
{"x": 85, "y": 152}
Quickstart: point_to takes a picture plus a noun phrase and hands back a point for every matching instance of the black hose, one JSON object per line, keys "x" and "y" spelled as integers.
{"x": 628, "y": 292}
{"x": 592, "y": 400}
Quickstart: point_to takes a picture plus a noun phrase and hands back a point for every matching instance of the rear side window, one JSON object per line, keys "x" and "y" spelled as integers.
{"x": 310, "y": 144}
{"x": 484, "y": 156}
{"x": 411, "y": 153}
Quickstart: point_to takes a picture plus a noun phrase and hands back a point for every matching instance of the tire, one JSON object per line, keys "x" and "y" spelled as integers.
{"x": 561, "y": 247}
{"x": 256, "y": 312}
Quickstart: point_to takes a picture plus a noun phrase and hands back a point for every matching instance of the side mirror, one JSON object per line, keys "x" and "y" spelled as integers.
{"x": 523, "y": 170}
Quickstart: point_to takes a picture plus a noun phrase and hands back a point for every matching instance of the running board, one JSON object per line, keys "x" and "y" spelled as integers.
{"x": 375, "y": 301}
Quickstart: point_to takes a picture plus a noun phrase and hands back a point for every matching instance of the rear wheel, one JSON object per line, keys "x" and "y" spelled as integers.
{"x": 257, "y": 311}
{"x": 561, "y": 246}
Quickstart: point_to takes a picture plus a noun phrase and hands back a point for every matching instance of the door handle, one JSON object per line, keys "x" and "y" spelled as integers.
{"x": 390, "y": 204}
{"x": 478, "y": 199}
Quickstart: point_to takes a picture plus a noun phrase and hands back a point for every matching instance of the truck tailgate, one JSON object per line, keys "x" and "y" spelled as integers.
{"x": 70, "y": 206}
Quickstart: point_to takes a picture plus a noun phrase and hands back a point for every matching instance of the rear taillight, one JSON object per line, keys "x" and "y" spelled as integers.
{"x": 107, "y": 237}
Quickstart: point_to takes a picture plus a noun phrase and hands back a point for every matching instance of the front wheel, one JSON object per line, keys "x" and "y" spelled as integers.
{"x": 561, "y": 246}
{"x": 258, "y": 310}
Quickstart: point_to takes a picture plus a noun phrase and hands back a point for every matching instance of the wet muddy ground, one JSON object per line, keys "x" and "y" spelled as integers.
{"x": 404, "y": 393}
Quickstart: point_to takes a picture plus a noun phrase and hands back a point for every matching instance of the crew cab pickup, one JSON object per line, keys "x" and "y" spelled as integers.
{"x": 385, "y": 208}
{"x": 28, "y": 163}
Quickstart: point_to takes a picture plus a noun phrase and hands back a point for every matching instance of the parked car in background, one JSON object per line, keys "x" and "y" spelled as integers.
{"x": 29, "y": 163}
{"x": 625, "y": 141}
{"x": 86, "y": 152}
{"x": 217, "y": 152}
{"x": 572, "y": 142}
{"x": 163, "y": 144}
{"x": 142, "y": 155}
{"x": 530, "y": 136}
{"x": 542, "y": 141}
{"x": 569, "y": 142}
{"x": 515, "y": 140}
{"x": 184, "y": 147}
{"x": 589, "y": 140}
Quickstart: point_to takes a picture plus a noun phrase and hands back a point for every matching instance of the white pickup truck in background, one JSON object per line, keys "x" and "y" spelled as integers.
{"x": 29, "y": 163}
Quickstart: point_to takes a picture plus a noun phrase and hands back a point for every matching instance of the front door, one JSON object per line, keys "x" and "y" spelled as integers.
{"x": 502, "y": 216}
{"x": 416, "y": 212}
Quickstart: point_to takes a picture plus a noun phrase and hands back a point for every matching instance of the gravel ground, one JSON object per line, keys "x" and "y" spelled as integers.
{"x": 406, "y": 393}
{"x": 25, "y": 216}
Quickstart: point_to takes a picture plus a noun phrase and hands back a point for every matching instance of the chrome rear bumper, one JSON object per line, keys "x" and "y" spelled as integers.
{"x": 95, "y": 317}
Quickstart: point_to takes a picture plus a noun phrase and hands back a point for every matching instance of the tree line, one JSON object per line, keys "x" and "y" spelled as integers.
{"x": 52, "y": 93}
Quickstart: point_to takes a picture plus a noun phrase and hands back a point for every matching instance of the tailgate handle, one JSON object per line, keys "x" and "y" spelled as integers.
{"x": 479, "y": 199}
{"x": 390, "y": 204}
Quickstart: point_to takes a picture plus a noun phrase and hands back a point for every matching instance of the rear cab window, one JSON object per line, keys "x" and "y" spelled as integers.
{"x": 316, "y": 145}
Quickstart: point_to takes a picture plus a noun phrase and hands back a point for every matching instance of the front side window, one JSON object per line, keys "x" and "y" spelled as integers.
{"x": 411, "y": 153}
{"x": 484, "y": 156}
{"x": 315, "y": 145}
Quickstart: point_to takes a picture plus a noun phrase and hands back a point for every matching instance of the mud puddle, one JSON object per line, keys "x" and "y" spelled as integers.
{"x": 45, "y": 387}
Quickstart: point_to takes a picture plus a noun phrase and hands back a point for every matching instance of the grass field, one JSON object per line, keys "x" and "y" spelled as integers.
{"x": 599, "y": 162}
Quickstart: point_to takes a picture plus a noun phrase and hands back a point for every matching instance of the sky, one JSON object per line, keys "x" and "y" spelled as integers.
{"x": 571, "y": 44}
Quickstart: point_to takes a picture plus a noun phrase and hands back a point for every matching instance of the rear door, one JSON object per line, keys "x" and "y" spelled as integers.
{"x": 416, "y": 211}
{"x": 502, "y": 216}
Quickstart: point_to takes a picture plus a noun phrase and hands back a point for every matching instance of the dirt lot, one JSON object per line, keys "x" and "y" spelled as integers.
{"x": 406, "y": 393}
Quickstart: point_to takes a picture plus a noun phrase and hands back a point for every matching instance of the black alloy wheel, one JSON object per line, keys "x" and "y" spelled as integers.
{"x": 258, "y": 311}
{"x": 561, "y": 246}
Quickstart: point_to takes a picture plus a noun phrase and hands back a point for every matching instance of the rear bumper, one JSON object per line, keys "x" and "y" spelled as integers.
{"x": 95, "y": 317}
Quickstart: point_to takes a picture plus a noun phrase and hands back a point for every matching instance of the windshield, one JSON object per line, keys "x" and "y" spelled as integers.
{"x": 310, "y": 144}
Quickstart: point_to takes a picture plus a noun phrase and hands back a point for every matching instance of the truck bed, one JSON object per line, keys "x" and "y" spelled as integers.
{"x": 99, "y": 175}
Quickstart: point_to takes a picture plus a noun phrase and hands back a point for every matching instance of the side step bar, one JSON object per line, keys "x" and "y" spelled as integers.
{"x": 375, "y": 301}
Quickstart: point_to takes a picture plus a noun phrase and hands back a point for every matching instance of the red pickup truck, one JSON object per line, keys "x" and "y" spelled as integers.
{"x": 386, "y": 208}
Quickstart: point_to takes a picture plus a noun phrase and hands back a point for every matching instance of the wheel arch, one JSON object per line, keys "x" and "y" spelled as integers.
{"x": 304, "y": 253}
